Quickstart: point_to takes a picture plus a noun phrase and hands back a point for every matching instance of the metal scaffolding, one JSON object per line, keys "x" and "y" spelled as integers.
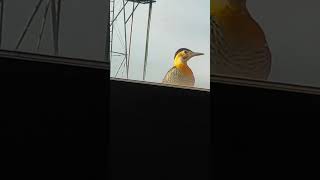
{"x": 115, "y": 14}
{"x": 50, "y": 5}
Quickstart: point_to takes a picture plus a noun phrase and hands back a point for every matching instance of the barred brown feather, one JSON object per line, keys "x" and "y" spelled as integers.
{"x": 176, "y": 77}
{"x": 229, "y": 60}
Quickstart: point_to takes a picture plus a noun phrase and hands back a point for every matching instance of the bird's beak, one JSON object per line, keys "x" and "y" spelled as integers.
{"x": 196, "y": 54}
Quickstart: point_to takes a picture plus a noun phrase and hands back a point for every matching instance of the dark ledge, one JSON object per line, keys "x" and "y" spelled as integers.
{"x": 264, "y": 84}
{"x": 24, "y": 56}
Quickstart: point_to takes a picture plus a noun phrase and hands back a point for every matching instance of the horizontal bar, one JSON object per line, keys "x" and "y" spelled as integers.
{"x": 265, "y": 84}
{"x": 54, "y": 59}
{"x": 159, "y": 84}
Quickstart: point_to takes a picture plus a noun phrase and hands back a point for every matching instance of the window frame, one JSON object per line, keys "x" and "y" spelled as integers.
{"x": 159, "y": 84}
{"x": 265, "y": 84}
{"x": 26, "y": 56}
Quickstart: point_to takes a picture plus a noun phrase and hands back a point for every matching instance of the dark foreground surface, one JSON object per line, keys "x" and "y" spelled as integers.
{"x": 55, "y": 123}
{"x": 158, "y": 132}
{"x": 263, "y": 133}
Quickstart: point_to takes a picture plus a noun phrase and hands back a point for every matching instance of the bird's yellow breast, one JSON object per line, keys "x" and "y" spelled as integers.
{"x": 183, "y": 67}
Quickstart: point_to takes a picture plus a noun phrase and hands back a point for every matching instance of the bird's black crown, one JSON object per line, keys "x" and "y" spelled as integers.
{"x": 181, "y": 49}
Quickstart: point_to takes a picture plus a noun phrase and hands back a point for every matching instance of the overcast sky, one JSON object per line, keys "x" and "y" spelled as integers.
{"x": 175, "y": 24}
{"x": 82, "y": 34}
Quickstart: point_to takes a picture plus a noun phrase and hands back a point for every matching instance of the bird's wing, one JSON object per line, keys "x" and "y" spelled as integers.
{"x": 175, "y": 76}
{"x": 228, "y": 59}
{"x": 173, "y": 72}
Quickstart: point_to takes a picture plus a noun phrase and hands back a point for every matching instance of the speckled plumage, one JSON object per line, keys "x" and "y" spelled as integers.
{"x": 245, "y": 59}
{"x": 177, "y": 77}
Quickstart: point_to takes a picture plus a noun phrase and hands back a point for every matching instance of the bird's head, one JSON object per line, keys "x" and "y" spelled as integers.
{"x": 183, "y": 55}
{"x": 219, "y": 6}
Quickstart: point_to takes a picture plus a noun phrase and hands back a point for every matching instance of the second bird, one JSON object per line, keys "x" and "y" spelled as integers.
{"x": 181, "y": 74}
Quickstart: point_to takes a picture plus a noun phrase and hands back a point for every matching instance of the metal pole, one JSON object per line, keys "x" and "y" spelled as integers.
{"x": 44, "y": 20}
{"x": 119, "y": 53}
{"x": 58, "y": 25}
{"x": 147, "y": 41}
{"x": 120, "y": 67}
{"x": 134, "y": 9}
{"x": 59, "y": 15}
{"x": 129, "y": 55}
{"x": 1, "y": 20}
{"x": 118, "y": 14}
{"x": 125, "y": 36}
{"x": 29, "y": 23}
{"x": 55, "y": 27}
{"x": 112, "y": 29}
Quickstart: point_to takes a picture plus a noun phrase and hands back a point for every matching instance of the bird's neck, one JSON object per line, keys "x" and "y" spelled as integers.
{"x": 182, "y": 66}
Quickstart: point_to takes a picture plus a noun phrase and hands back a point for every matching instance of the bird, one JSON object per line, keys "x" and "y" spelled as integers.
{"x": 238, "y": 45}
{"x": 181, "y": 74}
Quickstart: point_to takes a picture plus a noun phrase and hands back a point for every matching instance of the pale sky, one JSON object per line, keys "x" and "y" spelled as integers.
{"x": 175, "y": 24}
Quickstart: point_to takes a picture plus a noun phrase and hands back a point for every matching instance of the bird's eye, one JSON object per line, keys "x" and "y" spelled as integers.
{"x": 185, "y": 52}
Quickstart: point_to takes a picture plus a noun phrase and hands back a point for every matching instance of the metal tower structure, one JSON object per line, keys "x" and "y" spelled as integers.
{"x": 123, "y": 10}
{"x": 50, "y": 5}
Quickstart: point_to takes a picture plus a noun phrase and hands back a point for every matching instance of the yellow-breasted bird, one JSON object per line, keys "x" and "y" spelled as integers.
{"x": 181, "y": 74}
{"x": 238, "y": 44}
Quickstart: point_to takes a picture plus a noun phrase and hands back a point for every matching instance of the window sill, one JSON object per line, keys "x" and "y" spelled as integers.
{"x": 159, "y": 84}
{"x": 264, "y": 84}
{"x": 54, "y": 59}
